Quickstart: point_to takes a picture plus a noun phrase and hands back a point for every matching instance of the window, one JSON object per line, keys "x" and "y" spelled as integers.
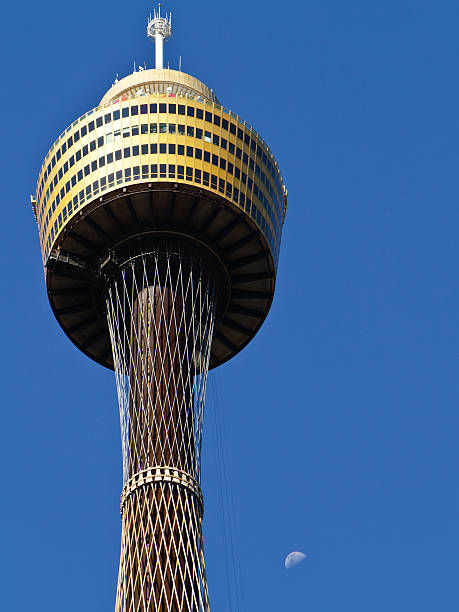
{"x": 154, "y": 170}
{"x": 86, "y": 170}
{"x": 162, "y": 147}
{"x": 172, "y": 109}
{"x": 162, "y": 170}
{"x": 162, "y": 127}
{"x": 127, "y": 174}
{"x": 153, "y": 108}
{"x": 208, "y": 117}
{"x": 118, "y": 155}
{"x": 180, "y": 150}
{"x": 171, "y": 170}
{"x": 190, "y": 131}
{"x": 199, "y": 113}
{"x": 216, "y": 140}
{"x": 180, "y": 171}
{"x": 84, "y": 131}
{"x": 233, "y": 129}
{"x": 213, "y": 181}
{"x": 171, "y": 128}
{"x": 85, "y": 150}
{"x": 100, "y": 141}
{"x": 108, "y": 118}
{"x": 214, "y": 159}
{"x": 98, "y": 121}
{"x": 199, "y": 133}
{"x": 153, "y": 148}
{"x": 181, "y": 109}
{"x": 102, "y": 161}
{"x": 189, "y": 173}
{"x": 245, "y": 158}
{"x": 181, "y": 129}
{"x": 109, "y": 158}
{"x": 144, "y": 128}
{"x": 92, "y": 145}
{"x": 172, "y": 149}
{"x": 222, "y": 164}
{"x": 93, "y": 165}
{"x": 125, "y": 112}
{"x": 197, "y": 175}
{"x": 198, "y": 153}
{"x": 134, "y": 110}
{"x": 116, "y": 115}
{"x": 206, "y": 156}
{"x": 190, "y": 111}
{"x": 231, "y": 147}
{"x": 207, "y": 137}
{"x": 238, "y": 153}
{"x": 143, "y": 109}
{"x": 237, "y": 173}
{"x": 135, "y": 130}
{"x": 127, "y": 152}
{"x": 189, "y": 151}
{"x": 153, "y": 128}
{"x": 144, "y": 149}
{"x": 230, "y": 167}
{"x": 145, "y": 171}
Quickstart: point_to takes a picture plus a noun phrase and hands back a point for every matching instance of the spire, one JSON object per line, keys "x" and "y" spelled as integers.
{"x": 159, "y": 29}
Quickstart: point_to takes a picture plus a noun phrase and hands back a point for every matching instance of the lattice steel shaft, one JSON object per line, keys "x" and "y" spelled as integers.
{"x": 161, "y": 312}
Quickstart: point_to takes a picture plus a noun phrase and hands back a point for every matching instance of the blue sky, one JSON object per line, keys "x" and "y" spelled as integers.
{"x": 341, "y": 418}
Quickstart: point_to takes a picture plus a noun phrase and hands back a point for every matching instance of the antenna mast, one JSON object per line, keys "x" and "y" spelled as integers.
{"x": 159, "y": 29}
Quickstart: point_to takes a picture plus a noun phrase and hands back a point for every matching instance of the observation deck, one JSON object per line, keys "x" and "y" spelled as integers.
{"x": 159, "y": 157}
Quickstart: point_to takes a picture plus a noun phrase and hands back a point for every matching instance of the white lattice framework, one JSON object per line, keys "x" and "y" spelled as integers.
{"x": 161, "y": 312}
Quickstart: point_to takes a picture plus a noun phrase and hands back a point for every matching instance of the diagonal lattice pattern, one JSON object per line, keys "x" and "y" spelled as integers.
{"x": 161, "y": 312}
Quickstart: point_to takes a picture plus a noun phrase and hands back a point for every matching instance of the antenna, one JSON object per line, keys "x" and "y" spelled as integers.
{"x": 180, "y": 64}
{"x": 159, "y": 29}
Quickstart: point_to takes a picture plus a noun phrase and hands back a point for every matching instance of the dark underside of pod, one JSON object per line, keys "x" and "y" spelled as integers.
{"x": 85, "y": 251}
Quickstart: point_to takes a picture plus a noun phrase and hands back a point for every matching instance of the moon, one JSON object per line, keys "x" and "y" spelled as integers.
{"x": 294, "y": 558}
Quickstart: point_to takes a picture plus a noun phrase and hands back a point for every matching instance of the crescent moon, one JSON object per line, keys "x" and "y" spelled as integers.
{"x": 294, "y": 558}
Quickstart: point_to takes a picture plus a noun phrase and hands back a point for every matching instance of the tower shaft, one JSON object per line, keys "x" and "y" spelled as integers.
{"x": 161, "y": 311}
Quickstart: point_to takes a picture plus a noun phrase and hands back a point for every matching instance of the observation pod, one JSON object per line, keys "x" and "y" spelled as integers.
{"x": 160, "y": 216}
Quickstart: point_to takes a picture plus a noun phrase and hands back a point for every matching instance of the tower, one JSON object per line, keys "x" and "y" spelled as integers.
{"x": 160, "y": 216}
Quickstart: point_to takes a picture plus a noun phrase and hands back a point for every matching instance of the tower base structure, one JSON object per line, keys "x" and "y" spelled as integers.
{"x": 161, "y": 305}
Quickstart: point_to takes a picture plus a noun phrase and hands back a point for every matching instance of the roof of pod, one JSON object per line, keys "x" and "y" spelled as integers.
{"x": 158, "y": 81}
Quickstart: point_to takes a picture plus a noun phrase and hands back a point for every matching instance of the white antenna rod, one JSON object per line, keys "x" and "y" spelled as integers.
{"x": 180, "y": 64}
{"x": 159, "y": 29}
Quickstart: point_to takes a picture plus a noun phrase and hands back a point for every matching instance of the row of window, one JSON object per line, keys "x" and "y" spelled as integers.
{"x": 135, "y": 150}
{"x": 171, "y": 128}
{"x": 155, "y": 171}
{"x": 170, "y": 108}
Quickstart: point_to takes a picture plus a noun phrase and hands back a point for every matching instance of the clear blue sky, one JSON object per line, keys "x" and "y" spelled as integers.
{"x": 342, "y": 415}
